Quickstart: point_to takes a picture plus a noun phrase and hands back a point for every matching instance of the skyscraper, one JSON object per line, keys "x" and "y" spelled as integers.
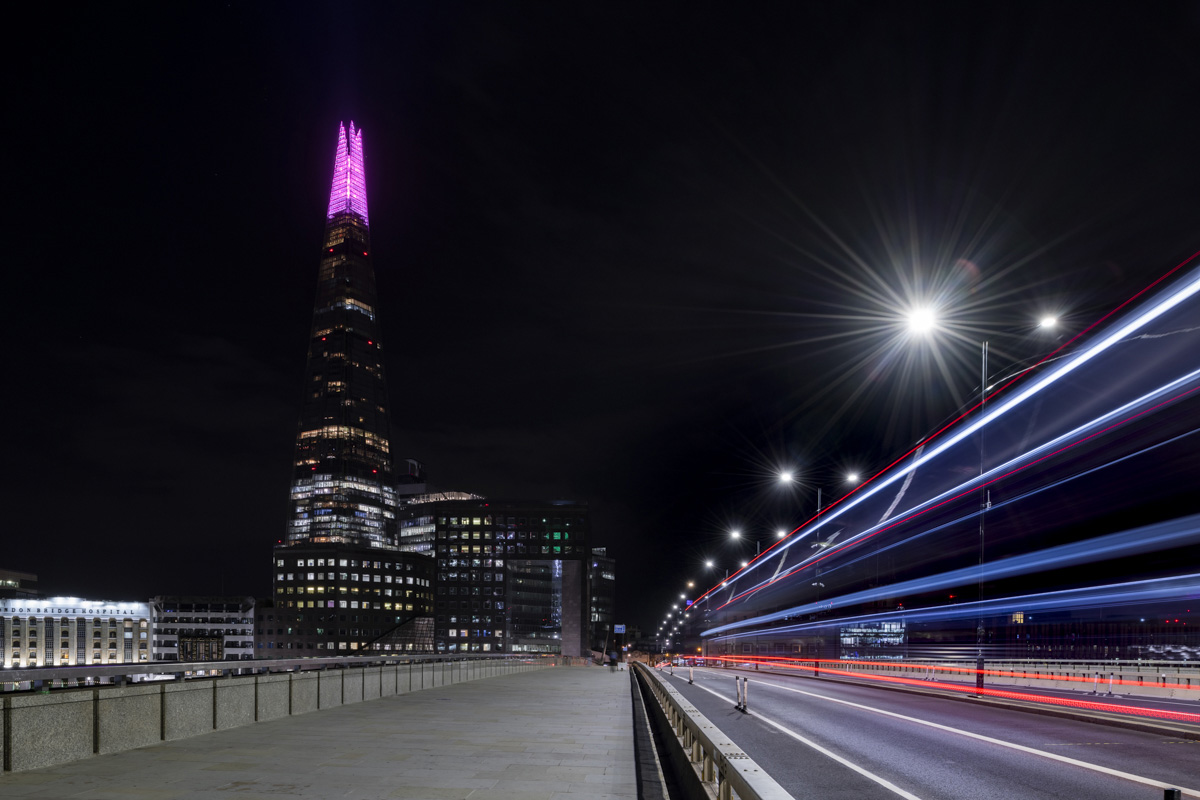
{"x": 342, "y": 487}
{"x": 340, "y": 583}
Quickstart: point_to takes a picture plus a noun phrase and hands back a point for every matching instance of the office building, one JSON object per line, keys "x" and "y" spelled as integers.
{"x": 17, "y": 584}
{"x": 202, "y": 628}
{"x": 511, "y": 576}
{"x": 603, "y": 594}
{"x": 342, "y": 599}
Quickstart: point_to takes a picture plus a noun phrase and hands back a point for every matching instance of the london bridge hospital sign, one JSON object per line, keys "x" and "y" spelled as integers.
{"x": 85, "y": 609}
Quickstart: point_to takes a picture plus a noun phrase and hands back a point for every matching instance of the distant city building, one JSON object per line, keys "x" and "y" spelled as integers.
{"x": 331, "y": 600}
{"x": 64, "y": 631}
{"x": 17, "y": 584}
{"x": 202, "y": 628}
{"x": 603, "y": 598}
{"x": 511, "y": 575}
{"x": 416, "y": 525}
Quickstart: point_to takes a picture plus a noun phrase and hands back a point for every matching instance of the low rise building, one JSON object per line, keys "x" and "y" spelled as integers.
{"x": 188, "y": 628}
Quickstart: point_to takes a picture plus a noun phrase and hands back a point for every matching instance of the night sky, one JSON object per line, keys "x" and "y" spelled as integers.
{"x": 642, "y": 255}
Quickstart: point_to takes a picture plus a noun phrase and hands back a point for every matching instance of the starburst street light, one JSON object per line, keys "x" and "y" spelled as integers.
{"x": 922, "y": 320}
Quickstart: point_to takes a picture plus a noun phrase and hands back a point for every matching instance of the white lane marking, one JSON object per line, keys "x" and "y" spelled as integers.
{"x": 1011, "y": 745}
{"x": 884, "y": 782}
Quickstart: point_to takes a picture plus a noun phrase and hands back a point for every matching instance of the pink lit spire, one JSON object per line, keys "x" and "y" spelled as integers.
{"x": 349, "y": 192}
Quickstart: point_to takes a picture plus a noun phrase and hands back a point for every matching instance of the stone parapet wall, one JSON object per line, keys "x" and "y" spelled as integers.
{"x": 51, "y": 727}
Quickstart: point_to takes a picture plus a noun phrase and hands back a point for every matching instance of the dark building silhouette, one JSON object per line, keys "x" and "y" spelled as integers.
{"x": 603, "y": 577}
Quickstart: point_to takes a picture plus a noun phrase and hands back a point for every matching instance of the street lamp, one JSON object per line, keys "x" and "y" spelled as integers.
{"x": 737, "y": 534}
{"x": 921, "y": 323}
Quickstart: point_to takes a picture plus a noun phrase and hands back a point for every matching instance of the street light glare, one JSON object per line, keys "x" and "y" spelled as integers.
{"x": 709, "y": 563}
{"x": 781, "y": 533}
{"x": 922, "y": 320}
{"x": 735, "y": 534}
{"x": 852, "y": 477}
{"x": 1048, "y": 322}
{"x": 785, "y": 477}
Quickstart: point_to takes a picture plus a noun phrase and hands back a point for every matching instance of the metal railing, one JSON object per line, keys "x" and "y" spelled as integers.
{"x": 721, "y": 765}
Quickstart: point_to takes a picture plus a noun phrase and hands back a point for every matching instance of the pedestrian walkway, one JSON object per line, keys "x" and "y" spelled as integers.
{"x": 561, "y": 733}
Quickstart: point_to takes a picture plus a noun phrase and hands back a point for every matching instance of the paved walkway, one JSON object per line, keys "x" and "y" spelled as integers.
{"x": 562, "y": 733}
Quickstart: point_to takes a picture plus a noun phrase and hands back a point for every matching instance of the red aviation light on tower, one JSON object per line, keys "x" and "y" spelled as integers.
{"x": 349, "y": 190}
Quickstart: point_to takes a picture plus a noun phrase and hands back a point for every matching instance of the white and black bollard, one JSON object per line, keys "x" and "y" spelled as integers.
{"x": 1172, "y": 794}
{"x": 737, "y": 689}
{"x": 1110, "y": 679}
{"x": 745, "y": 695}
{"x": 691, "y": 676}
{"x": 1096, "y": 684}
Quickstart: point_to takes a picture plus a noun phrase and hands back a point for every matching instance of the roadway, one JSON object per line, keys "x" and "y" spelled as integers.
{"x": 831, "y": 739}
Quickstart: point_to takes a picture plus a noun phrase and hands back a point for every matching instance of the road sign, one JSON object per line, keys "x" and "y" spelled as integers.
{"x": 618, "y": 628}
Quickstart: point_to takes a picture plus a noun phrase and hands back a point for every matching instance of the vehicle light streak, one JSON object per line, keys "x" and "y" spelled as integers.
{"x": 961, "y": 493}
{"x": 918, "y": 509}
{"x": 966, "y": 672}
{"x": 1162, "y": 535}
{"x": 1130, "y": 593}
{"x": 965, "y": 688}
{"x": 1164, "y": 304}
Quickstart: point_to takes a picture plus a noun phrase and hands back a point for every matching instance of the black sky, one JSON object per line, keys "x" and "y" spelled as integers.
{"x": 615, "y": 245}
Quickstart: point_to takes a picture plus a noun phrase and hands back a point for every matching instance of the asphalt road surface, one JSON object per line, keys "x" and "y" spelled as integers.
{"x": 823, "y": 739}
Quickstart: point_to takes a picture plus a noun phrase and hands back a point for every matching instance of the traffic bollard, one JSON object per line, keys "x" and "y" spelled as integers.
{"x": 690, "y": 676}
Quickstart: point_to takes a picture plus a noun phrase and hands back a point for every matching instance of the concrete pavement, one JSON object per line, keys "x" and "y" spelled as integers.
{"x": 562, "y": 733}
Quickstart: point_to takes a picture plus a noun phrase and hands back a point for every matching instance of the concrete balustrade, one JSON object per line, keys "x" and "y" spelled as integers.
{"x": 54, "y": 727}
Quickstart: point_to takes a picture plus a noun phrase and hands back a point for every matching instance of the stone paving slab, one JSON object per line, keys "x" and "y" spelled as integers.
{"x": 561, "y": 733}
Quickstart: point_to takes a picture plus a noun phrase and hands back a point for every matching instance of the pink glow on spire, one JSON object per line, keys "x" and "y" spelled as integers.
{"x": 349, "y": 192}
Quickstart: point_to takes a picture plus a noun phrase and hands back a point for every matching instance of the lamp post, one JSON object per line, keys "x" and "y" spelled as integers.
{"x": 922, "y": 321}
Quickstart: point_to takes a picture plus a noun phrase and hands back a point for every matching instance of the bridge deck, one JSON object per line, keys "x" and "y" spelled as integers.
{"x": 563, "y": 733}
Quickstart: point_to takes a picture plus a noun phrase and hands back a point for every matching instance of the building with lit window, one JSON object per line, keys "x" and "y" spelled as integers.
{"x": 340, "y": 584}
{"x": 603, "y": 594}
{"x": 17, "y": 584}
{"x": 346, "y": 600}
{"x": 511, "y": 576}
{"x": 342, "y": 485}
{"x": 202, "y": 628}
{"x": 64, "y": 631}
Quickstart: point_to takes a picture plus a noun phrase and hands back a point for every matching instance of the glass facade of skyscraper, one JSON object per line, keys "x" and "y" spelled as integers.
{"x": 342, "y": 490}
